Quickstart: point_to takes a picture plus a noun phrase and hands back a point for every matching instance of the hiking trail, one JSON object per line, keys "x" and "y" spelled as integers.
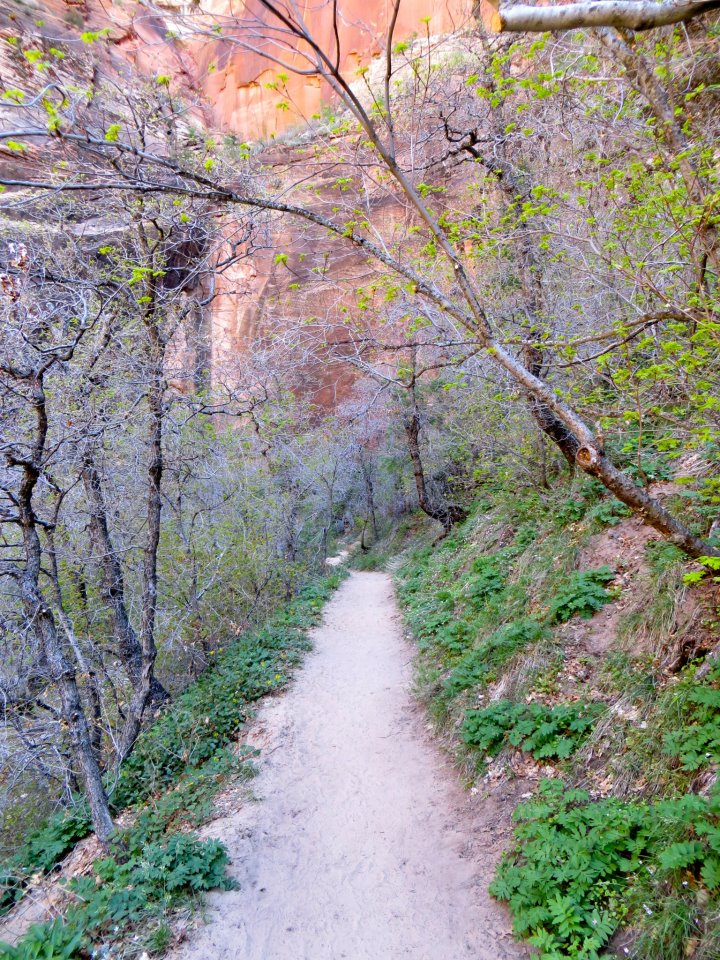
{"x": 363, "y": 846}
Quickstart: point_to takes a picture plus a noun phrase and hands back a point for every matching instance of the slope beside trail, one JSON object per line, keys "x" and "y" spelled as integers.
{"x": 363, "y": 846}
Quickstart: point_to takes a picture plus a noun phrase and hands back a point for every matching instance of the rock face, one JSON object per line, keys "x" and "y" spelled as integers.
{"x": 198, "y": 44}
{"x": 235, "y": 80}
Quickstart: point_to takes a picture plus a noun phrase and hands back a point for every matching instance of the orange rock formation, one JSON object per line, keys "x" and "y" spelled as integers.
{"x": 199, "y": 45}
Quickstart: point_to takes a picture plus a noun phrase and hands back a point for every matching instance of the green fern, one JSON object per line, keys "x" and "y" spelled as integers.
{"x": 545, "y": 732}
{"x": 583, "y": 594}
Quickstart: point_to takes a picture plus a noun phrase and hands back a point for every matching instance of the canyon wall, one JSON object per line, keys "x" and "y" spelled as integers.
{"x": 227, "y": 89}
{"x": 198, "y": 43}
{"x": 235, "y": 80}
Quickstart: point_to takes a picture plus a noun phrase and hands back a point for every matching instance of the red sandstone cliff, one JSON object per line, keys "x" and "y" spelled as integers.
{"x": 194, "y": 41}
{"x": 195, "y": 44}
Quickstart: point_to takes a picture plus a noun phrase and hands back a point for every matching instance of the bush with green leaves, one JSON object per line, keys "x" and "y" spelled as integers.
{"x": 565, "y": 878}
{"x": 695, "y": 822}
{"x": 579, "y": 868}
{"x": 43, "y": 849}
{"x": 608, "y": 512}
{"x": 487, "y": 577}
{"x": 57, "y": 940}
{"x": 696, "y": 739}
{"x": 126, "y": 892}
{"x": 582, "y": 594}
{"x": 548, "y": 733}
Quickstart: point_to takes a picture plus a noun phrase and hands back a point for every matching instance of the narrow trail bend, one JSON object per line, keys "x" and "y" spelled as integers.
{"x": 364, "y": 846}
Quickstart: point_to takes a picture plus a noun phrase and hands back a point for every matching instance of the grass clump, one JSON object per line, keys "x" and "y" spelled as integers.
{"x": 481, "y": 665}
{"x": 488, "y": 577}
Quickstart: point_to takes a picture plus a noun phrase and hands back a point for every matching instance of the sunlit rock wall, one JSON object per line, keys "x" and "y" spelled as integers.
{"x": 227, "y": 88}
{"x": 235, "y": 79}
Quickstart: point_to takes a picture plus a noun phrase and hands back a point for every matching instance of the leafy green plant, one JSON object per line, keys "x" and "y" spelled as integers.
{"x": 44, "y": 848}
{"x": 582, "y": 594}
{"x": 124, "y": 893}
{"x": 578, "y": 868}
{"x": 697, "y": 820}
{"x": 545, "y": 732}
{"x": 189, "y": 802}
{"x": 487, "y": 729}
{"x": 455, "y": 637}
{"x": 564, "y": 879}
{"x": 695, "y": 739}
{"x": 48, "y": 941}
{"x": 487, "y": 578}
{"x": 58, "y": 836}
{"x": 183, "y": 863}
{"x": 608, "y": 512}
{"x": 571, "y": 511}
{"x": 710, "y": 564}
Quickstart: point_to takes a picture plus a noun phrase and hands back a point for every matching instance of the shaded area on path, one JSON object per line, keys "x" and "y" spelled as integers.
{"x": 364, "y": 846}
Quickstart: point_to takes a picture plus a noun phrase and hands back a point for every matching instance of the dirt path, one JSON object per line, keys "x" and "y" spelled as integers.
{"x": 364, "y": 847}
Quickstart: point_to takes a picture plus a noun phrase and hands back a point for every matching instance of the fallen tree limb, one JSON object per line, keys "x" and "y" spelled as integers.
{"x": 623, "y": 14}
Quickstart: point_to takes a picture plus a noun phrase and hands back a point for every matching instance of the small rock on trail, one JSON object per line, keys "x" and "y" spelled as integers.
{"x": 364, "y": 846}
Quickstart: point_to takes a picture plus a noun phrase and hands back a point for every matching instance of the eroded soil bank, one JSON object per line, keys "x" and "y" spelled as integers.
{"x": 364, "y": 846}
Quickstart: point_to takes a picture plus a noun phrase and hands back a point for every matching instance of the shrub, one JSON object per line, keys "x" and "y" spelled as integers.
{"x": 545, "y": 732}
{"x": 608, "y": 512}
{"x": 582, "y": 594}
{"x": 564, "y": 880}
{"x": 182, "y": 863}
{"x": 455, "y": 638}
{"x": 697, "y": 738}
{"x": 695, "y": 821}
{"x": 47, "y": 941}
{"x": 578, "y": 868}
{"x": 487, "y": 578}
{"x": 45, "y": 847}
{"x": 123, "y": 894}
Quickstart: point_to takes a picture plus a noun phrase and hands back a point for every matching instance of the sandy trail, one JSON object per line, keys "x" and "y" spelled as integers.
{"x": 364, "y": 846}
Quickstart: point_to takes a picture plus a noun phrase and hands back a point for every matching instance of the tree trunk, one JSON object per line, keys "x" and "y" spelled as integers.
{"x": 86, "y": 668}
{"x": 446, "y": 514}
{"x": 63, "y": 676}
{"x": 113, "y": 584}
{"x": 370, "y": 496}
{"x": 42, "y": 623}
{"x": 592, "y": 460}
{"x": 156, "y": 389}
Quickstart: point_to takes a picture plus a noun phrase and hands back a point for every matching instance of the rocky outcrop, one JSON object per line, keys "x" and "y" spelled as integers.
{"x": 236, "y": 81}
